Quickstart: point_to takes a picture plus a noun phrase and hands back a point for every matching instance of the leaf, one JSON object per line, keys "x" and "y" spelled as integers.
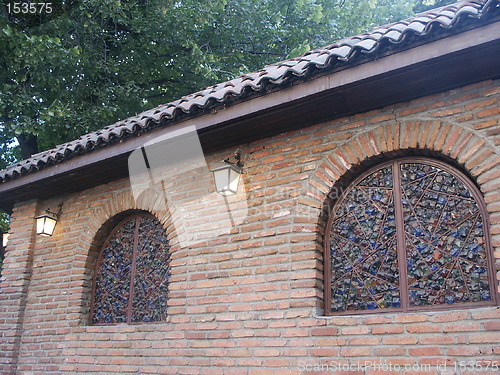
{"x": 372, "y": 4}
{"x": 8, "y": 31}
{"x": 101, "y": 61}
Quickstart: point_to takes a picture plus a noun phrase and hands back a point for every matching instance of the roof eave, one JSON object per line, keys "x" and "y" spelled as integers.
{"x": 231, "y": 125}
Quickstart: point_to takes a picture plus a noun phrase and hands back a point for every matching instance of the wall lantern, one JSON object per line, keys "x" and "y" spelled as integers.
{"x": 46, "y": 222}
{"x": 228, "y": 176}
{"x": 5, "y": 239}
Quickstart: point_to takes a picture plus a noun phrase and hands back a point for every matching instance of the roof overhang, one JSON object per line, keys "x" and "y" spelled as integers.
{"x": 454, "y": 61}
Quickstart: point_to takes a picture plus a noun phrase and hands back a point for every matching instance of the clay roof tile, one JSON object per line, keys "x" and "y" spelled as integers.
{"x": 341, "y": 52}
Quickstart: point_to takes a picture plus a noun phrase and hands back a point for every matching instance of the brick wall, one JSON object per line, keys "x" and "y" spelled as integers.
{"x": 249, "y": 301}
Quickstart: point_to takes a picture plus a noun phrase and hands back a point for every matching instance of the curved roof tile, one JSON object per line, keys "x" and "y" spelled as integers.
{"x": 276, "y": 74}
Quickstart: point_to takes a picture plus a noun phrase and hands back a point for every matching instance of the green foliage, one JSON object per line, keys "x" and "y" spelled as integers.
{"x": 422, "y": 5}
{"x": 4, "y": 222}
{"x": 91, "y": 62}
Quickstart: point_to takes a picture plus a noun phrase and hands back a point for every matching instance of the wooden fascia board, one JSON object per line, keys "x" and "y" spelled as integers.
{"x": 372, "y": 69}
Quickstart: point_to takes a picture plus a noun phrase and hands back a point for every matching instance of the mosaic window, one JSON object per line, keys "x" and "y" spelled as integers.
{"x": 408, "y": 235}
{"x": 131, "y": 281}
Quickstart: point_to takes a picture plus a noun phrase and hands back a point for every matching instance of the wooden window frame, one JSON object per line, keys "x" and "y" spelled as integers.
{"x": 401, "y": 245}
{"x": 136, "y": 217}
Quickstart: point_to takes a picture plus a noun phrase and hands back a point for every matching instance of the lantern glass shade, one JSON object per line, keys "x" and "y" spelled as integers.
{"x": 45, "y": 224}
{"x": 5, "y": 239}
{"x": 227, "y": 179}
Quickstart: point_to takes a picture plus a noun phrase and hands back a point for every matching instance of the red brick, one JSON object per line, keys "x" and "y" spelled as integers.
{"x": 355, "y": 351}
{"x": 409, "y": 140}
{"x": 451, "y": 141}
{"x": 370, "y": 341}
{"x": 443, "y": 135}
{"x": 488, "y": 112}
{"x": 359, "y": 330}
{"x": 366, "y": 145}
{"x": 388, "y": 136}
{"x": 325, "y": 331}
{"x": 411, "y": 318}
{"x": 454, "y": 148}
{"x": 486, "y": 124}
{"x": 276, "y": 362}
{"x": 399, "y": 340}
{"x": 478, "y": 159}
{"x": 480, "y": 104}
{"x": 384, "y": 117}
{"x": 331, "y": 341}
{"x": 423, "y": 328}
{"x": 463, "y": 351}
{"x": 490, "y": 163}
{"x": 325, "y": 352}
{"x": 244, "y": 301}
{"x": 424, "y": 351}
{"x": 492, "y": 326}
{"x": 449, "y": 316}
{"x": 432, "y": 134}
{"x": 485, "y": 338}
{"x": 471, "y": 149}
{"x": 447, "y": 112}
{"x": 390, "y": 351}
{"x": 413, "y": 110}
{"x": 376, "y": 320}
{"x": 387, "y": 329}
{"x": 353, "y": 125}
{"x": 427, "y": 340}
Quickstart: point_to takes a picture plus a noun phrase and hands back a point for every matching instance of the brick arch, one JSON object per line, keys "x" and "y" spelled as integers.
{"x": 476, "y": 155}
{"x": 100, "y": 221}
{"x": 470, "y": 150}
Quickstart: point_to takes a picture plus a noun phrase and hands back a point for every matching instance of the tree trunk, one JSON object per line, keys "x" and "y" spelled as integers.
{"x": 29, "y": 145}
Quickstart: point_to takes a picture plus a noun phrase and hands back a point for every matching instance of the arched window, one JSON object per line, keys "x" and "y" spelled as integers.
{"x": 410, "y": 234}
{"x": 132, "y": 272}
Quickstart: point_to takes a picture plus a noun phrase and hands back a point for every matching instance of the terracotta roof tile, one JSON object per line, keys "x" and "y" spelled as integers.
{"x": 277, "y": 74}
{"x": 298, "y": 68}
{"x": 367, "y": 44}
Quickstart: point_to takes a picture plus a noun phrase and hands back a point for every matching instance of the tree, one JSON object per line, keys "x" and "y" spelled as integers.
{"x": 422, "y": 5}
{"x": 88, "y": 63}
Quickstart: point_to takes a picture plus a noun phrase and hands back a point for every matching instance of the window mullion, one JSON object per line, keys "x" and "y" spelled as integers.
{"x": 132, "y": 272}
{"x": 400, "y": 236}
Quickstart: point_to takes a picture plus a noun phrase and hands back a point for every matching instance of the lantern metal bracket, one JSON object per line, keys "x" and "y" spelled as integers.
{"x": 237, "y": 158}
{"x": 57, "y": 214}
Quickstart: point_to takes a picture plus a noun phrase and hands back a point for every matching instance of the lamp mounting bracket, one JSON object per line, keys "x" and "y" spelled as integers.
{"x": 237, "y": 159}
{"x": 56, "y": 214}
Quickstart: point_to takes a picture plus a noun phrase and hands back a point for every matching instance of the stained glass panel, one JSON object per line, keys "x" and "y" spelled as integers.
{"x": 112, "y": 283}
{"x": 442, "y": 242}
{"x": 446, "y": 257}
{"x": 135, "y": 254}
{"x": 152, "y": 272}
{"x": 364, "y": 271}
